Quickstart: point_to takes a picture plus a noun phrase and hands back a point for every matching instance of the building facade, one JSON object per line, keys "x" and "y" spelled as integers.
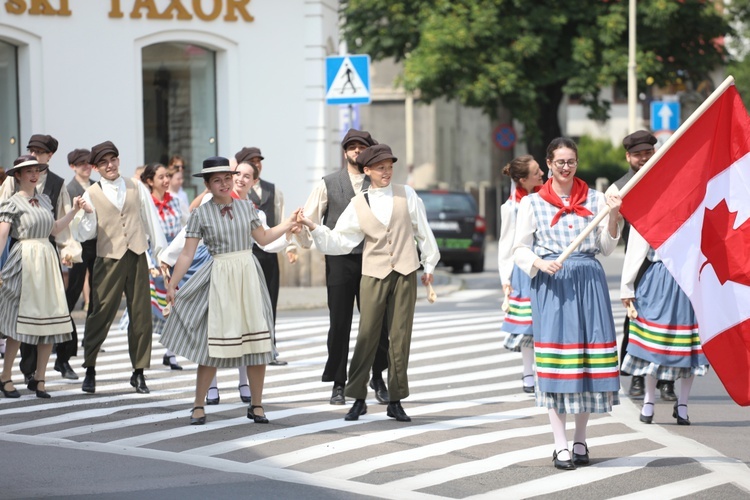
{"x": 160, "y": 77}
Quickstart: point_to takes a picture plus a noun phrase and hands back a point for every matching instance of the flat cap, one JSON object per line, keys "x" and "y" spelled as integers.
{"x": 244, "y": 155}
{"x": 100, "y": 150}
{"x": 375, "y": 154}
{"x": 361, "y": 136}
{"x": 639, "y": 141}
{"x": 43, "y": 142}
{"x": 78, "y": 156}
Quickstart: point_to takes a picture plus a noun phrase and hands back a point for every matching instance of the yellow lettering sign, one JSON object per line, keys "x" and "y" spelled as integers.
{"x": 238, "y": 5}
{"x": 182, "y": 13}
{"x": 201, "y": 14}
{"x": 116, "y": 12}
{"x": 15, "y": 7}
{"x": 37, "y": 8}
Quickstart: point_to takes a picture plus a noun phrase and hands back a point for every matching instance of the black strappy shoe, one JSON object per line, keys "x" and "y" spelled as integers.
{"x": 647, "y": 419}
{"x": 578, "y": 458}
{"x": 258, "y": 419}
{"x": 680, "y": 420}
{"x": 199, "y": 420}
{"x": 562, "y": 464}
{"x": 9, "y": 394}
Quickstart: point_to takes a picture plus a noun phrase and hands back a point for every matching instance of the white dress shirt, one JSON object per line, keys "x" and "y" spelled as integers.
{"x": 347, "y": 234}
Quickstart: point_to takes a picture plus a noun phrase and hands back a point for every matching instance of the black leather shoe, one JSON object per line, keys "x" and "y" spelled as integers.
{"x": 644, "y": 418}
{"x": 528, "y": 389}
{"x": 636, "y": 387}
{"x": 395, "y": 410}
{"x": 258, "y": 419}
{"x": 65, "y": 370}
{"x": 580, "y": 458}
{"x": 199, "y": 420}
{"x": 562, "y": 464}
{"x": 213, "y": 401}
{"x": 9, "y": 394}
{"x": 89, "y": 383}
{"x": 667, "y": 391}
{"x": 139, "y": 382}
{"x": 278, "y": 362}
{"x": 358, "y": 408}
{"x": 33, "y": 385}
{"x": 680, "y": 420}
{"x": 245, "y": 399}
{"x": 337, "y": 396}
{"x": 381, "y": 391}
{"x": 167, "y": 361}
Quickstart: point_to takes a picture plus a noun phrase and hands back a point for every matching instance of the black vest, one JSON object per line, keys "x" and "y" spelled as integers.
{"x": 268, "y": 192}
{"x": 52, "y": 188}
{"x": 340, "y": 193}
{"x": 620, "y": 183}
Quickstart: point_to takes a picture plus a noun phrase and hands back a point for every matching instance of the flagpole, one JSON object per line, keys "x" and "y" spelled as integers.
{"x": 728, "y": 82}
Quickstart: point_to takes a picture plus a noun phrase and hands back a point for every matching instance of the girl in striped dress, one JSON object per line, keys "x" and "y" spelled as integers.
{"x": 171, "y": 218}
{"x": 574, "y": 337}
{"x": 226, "y": 297}
{"x": 664, "y": 342}
{"x": 526, "y": 177}
{"x": 33, "y": 308}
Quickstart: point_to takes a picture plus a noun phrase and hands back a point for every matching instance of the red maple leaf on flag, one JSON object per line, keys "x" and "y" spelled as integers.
{"x": 726, "y": 248}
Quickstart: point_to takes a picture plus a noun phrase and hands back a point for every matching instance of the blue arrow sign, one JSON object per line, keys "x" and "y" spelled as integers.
{"x": 348, "y": 79}
{"x": 665, "y": 115}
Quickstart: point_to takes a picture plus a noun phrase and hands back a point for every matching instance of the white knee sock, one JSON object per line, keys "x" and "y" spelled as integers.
{"x": 685, "y": 385}
{"x": 244, "y": 388}
{"x": 213, "y": 389}
{"x": 582, "y": 420}
{"x": 558, "y": 432}
{"x": 649, "y": 396}
{"x": 527, "y": 355}
{"x": 170, "y": 355}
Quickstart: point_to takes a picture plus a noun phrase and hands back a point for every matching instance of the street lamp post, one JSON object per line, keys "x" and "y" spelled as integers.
{"x": 632, "y": 84}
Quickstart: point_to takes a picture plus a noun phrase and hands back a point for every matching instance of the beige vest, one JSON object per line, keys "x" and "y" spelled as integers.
{"x": 118, "y": 232}
{"x": 390, "y": 248}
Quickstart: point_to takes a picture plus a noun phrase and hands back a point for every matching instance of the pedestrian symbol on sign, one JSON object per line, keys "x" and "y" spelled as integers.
{"x": 348, "y": 79}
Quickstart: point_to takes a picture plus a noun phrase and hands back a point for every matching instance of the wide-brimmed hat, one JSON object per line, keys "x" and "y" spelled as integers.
{"x": 78, "y": 156}
{"x": 215, "y": 165}
{"x": 100, "y": 150}
{"x": 640, "y": 140}
{"x": 361, "y": 136}
{"x": 244, "y": 155}
{"x": 25, "y": 161}
{"x": 375, "y": 154}
{"x": 44, "y": 142}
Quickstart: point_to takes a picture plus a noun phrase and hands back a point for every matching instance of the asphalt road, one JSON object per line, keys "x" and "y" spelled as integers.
{"x": 474, "y": 434}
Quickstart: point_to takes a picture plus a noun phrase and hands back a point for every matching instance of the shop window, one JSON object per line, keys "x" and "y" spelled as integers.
{"x": 9, "y": 119}
{"x": 179, "y": 103}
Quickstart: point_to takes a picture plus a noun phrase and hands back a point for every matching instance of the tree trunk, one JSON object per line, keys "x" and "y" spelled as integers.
{"x": 548, "y": 122}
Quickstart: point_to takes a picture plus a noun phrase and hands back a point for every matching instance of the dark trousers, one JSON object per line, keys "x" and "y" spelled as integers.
{"x": 269, "y": 263}
{"x": 343, "y": 274}
{"x": 111, "y": 278}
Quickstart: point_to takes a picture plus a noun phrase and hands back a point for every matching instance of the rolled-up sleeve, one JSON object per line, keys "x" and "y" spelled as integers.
{"x": 83, "y": 227}
{"x": 425, "y": 239}
{"x": 343, "y": 238}
{"x": 523, "y": 241}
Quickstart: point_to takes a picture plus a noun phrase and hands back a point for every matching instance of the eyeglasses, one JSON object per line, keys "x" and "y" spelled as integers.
{"x": 562, "y": 163}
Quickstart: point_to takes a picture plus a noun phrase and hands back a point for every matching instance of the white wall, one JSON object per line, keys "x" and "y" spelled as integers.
{"x": 80, "y": 80}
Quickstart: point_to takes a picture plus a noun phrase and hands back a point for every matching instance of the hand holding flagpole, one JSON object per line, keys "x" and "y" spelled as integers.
{"x": 650, "y": 163}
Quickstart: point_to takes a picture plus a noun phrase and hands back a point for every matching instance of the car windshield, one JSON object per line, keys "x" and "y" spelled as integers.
{"x": 447, "y": 202}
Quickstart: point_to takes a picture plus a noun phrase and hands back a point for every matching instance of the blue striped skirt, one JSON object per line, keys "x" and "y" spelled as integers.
{"x": 517, "y": 323}
{"x": 665, "y": 333}
{"x": 574, "y": 335}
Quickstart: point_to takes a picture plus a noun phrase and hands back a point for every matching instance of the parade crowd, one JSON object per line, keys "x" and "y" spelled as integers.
{"x": 204, "y": 278}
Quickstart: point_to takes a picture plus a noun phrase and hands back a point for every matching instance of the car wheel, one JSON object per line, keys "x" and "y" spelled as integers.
{"x": 478, "y": 266}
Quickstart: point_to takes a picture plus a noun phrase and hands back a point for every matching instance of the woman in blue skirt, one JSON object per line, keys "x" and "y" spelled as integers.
{"x": 574, "y": 338}
{"x": 526, "y": 177}
{"x": 664, "y": 342}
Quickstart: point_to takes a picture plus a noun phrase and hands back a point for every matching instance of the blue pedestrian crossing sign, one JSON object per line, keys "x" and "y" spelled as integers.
{"x": 348, "y": 79}
{"x": 665, "y": 115}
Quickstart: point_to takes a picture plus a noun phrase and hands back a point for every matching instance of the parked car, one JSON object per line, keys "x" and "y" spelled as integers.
{"x": 458, "y": 228}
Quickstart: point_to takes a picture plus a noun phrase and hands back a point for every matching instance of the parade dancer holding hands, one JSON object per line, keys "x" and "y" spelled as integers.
{"x": 574, "y": 338}
{"x": 228, "y": 296}
{"x": 527, "y": 178}
{"x": 33, "y": 308}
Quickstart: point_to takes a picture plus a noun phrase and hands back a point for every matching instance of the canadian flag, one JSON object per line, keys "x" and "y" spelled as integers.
{"x": 692, "y": 206}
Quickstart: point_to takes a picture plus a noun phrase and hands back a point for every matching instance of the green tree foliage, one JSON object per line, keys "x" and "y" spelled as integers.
{"x": 526, "y": 54}
{"x": 598, "y": 158}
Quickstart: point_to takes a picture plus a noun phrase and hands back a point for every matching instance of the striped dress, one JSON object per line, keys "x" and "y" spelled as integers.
{"x": 517, "y": 322}
{"x": 664, "y": 341}
{"x": 574, "y": 337}
{"x": 231, "y": 283}
{"x": 33, "y": 308}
